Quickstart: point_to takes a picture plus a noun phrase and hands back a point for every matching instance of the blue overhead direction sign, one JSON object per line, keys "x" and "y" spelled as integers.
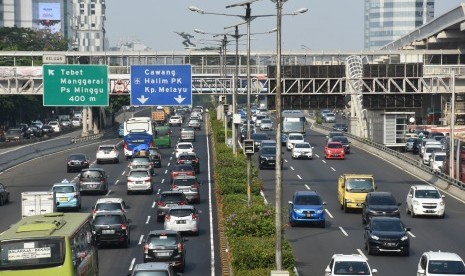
{"x": 168, "y": 85}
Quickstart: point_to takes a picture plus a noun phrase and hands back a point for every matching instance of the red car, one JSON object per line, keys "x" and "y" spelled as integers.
{"x": 182, "y": 169}
{"x": 334, "y": 150}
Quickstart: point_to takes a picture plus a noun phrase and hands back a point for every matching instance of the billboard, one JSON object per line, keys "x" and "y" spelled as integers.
{"x": 49, "y": 17}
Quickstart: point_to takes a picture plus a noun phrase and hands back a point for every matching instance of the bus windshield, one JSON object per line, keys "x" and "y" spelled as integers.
{"x": 293, "y": 121}
{"x": 32, "y": 253}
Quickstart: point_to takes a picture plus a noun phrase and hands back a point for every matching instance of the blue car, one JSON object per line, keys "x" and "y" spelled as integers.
{"x": 121, "y": 130}
{"x": 307, "y": 207}
{"x": 67, "y": 195}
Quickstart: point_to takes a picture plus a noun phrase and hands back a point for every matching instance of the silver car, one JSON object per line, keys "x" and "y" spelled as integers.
{"x": 194, "y": 123}
{"x": 183, "y": 218}
{"x": 189, "y": 185}
{"x": 266, "y": 124}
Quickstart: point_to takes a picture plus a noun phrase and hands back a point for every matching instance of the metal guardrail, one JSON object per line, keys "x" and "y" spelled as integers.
{"x": 403, "y": 157}
{"x": 80, "y": 139}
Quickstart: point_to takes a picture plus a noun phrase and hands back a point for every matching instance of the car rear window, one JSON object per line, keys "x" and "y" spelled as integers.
{"x": 108, "y": 220}
{"x": 184, "y": 146}
{"x": 151, "y": 273}
{"x": 334, "y": 146}
{"x": 187, "y": 157}
{"x": 296, "y": 137}
{"x": 181, "y": 212}
{"x": 91, "y": 174}
{"x": 109, "y": 148}
{"x": 184, "y": 182}
{"x": 138, "y": 174}
{"x": 108, "y": 206}
{"x": 140, "y": 160}
{"x": 63, "y": 189}
{"x": 168, "y": 239}
{"x": 172, "y": 197}
{"x": 77, "y": 157}
{"x": 183, "y": 168}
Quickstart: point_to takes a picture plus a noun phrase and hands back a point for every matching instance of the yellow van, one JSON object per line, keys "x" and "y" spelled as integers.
{"x": 352, "y": 190}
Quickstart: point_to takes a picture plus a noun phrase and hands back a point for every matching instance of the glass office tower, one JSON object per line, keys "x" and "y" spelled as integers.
{"x": 388, "y": 20}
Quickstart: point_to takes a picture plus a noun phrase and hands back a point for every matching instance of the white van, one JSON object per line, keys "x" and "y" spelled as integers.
{"x": 430, "y": 147}
{"x": 437, "y": 160}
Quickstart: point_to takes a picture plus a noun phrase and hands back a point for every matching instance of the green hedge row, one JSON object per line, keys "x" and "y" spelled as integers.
{"x": 250, "y": 230}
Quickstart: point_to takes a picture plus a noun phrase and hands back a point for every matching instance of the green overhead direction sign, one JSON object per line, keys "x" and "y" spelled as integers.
{"x": 75, "y": 85}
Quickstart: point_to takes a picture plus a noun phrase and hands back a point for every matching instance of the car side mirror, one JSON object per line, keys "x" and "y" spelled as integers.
{"x": 374, "y": 271}
{"x": 289, "y": 202}
{"x": 409, "y": 195}
{"x": 57, "y": 203}
{"x": 327, "y": 270}
{"x": 324, "y": 202}
{"x": 421, "y": 271}
{"x": 443, "y": 196}
{"x": 408, "y": 229}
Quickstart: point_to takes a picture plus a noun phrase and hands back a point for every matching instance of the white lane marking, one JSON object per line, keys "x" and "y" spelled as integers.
{"x": 306, "y": 186}
{"x": 163, "y": 180}
{"x": 172, "y": 153}
{"x": 329, "y": 214}
{"x": 264, "y": 198}
{"x": 153, "y": 204}
{"x": 210, "y": 210}
{"x": 140, "y": 239}
{"x": 116, "y": 182}
{"x": 411, "y": 234}
{"x": 324, "y": 161}
{"x": 343, "y": 231}
{"x": 158, "y": 192}
{"x": 168, "y": 164}
{"x": 166, "y": 171}
{"x": 171, "y": 157}
{"x": 299, "y": 177}
{"x": 285, "y": 160}
{"x": 292, "y": 168}
{"x": 109, "y": 191}
{"x": 333, "y": 169}
{"x": 131, "y": 266}
{"x": 240, "y": 144}
{"x": 148, "y": 219}
{"x": 123, "y": 173}
{"x": 361, "y": 253}
{"x": 317, "y": 155}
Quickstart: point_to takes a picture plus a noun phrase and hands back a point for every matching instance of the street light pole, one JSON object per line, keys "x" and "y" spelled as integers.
{"x": 235, "y": 87}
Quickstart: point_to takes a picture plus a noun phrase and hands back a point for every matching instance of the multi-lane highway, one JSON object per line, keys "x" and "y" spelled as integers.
{"x": 40, "y": 174}
{"x": 314, "y": 246}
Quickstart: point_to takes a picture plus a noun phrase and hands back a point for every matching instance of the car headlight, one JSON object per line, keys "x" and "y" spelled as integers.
{"x": 374, "y": 237}
{"x": 396, "y": 211}
{"x": 319, "y": 211}
{"x": 415, "y": 202}
{"x": 442, "y": 203}
{"x": 298, "y": 211}
{"x": 404, "y": 238}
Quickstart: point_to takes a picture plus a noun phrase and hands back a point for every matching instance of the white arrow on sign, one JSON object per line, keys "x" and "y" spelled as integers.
{"x": 179, "y": 99}
{"x": 142, "y": 99}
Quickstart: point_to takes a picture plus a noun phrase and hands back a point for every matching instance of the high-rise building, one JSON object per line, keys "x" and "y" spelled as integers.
{"x": 80, "y": 21}
{"x": 388, "y": 20}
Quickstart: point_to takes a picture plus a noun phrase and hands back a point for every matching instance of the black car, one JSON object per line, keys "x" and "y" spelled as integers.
{"x": 379, "y": 204}
{"x": 77, "y": 162}
{"x": 168, "y": 199}
{"x": 165, "y": 246}
{"x": 267, "y": 158}
{"x": 258, "y": 138}
{"x": 386, "y": 234}
{"x": 93, "y": 180}
{"x": 4, "y": 194}
{"x": 189, "y": 158}
{"x": 155, "y": 157}
{"x": 344, "y": 141}
{"x": 244, "y": 132}
{"x": 111, "y": 227}
{"x": 340, "y": 127}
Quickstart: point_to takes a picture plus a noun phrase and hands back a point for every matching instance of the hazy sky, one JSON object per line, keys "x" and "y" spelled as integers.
{"x": 328, "y": 25}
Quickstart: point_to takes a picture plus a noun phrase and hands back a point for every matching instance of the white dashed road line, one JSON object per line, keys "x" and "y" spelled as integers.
{"x": 131, "y": 266}
{"x": 306, "y": 186}
{"x": 109, "y": 191}
{"x": 411, "y": 234}
{"x": 299, "y": 177}
{"x": 333, "y": 169}
{"x": 148, "y": 219}
{"x": 140, "y": 239}
{"x": 153, "y": 204}
{"x": 328, "y": 213}
{"x": 343, "y": 231}
{"x": 317, "y": 155}
{"x": 158, "y": 192}
{"x": 166, "y": 171}
{"x": 171, "y": 157}
{"x": 168, "y": 164}
{"x": 163, "y": 180}
{"x": 361, "y": 253}
{"x": 116, "y": 182}
{"x": 285, "y": 160}
{"x": 123, "y": 173}
{"x": 292, "y": 168}
{"x": 324, "y": 161}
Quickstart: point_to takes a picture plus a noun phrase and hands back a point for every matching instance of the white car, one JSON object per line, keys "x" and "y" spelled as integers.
{"x": 182, "y": 218}
{"x": 109, "y": 204}
{"x": 55, "y": 126}
{"x": 425, "y": 200}
{"x": 302, "y": 150}
{"x": 294, "y": 138}
{"x": 107, "y": 153}
{"x": 349, "y": 265}
{"x": 76, "y": 122}
{"x": 429, "y": 149}
{"x": 175, "y": 120}
{"x": 139, "y": 180}
{"x": 440, "y": 263}
{"x": 183, "y": 147}
{"x": 266, "y": 124}
{"x": 437, "y": 160}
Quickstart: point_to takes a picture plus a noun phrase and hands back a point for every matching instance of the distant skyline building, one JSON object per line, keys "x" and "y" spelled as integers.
{"x": 82, "y": 22}
{"x": 388, "y": 20}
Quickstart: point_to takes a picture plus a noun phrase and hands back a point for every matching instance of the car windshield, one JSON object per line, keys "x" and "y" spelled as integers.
{"x": 193, "y": 121}
{"x": 108, "y": 206}
{"x": 184, "y": 182}
{"x": 427, "y": 194}
{"x": 334, "y": 145}
{"x": 440, "y": 158}
{"x": 430, "y": 150}
{"x": 108, "y": 220}
{"x": 446, "y": 267}
{"x": 351, "y": 268}
{"x": 138, "y": 174}
{"x": 359, "y": 185}
{"x": 381, "y": 200}
{"x": 266, "y": 121}
{"x": 169, "y": 239}
{"x": 308, "y": 200}
{"x": 384, "y": 225}
{"x": 269, "y": 150}
{"x": 63, "y": 189}
{"x": 302, "y": 146}
{"x": 180, "y": 212}
{"x": 140, "y": 160}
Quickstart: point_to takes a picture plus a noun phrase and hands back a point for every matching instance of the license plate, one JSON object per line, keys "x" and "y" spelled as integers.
{"x": 139, "y": 182}
{"x": 429, "y": 211}
{"x": 308, "y": 215}
{"x": 185, "y": 190}
{"x": 188, "y": 162}
{"x": 63, "y": 199}
{"x": 181, "y": 222}
{"x": 390, "y": 244}
{"x": 93, "y": 186}
{"x": 163, "y": 254}
{"x": 108, "y": 231}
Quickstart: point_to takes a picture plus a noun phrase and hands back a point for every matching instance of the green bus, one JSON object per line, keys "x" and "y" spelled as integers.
{"x": 49, "y": 244}
{"x": 162, "y": 136}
